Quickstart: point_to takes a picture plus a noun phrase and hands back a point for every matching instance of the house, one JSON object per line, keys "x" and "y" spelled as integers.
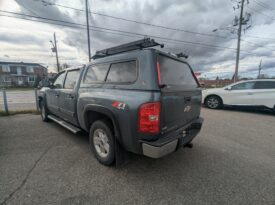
{"x": 20, "y": 74}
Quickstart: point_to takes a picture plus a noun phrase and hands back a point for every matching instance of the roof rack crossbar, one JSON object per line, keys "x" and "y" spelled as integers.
{"x": 136, "y": 45}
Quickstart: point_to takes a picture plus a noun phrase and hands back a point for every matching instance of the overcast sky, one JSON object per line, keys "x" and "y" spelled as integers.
{"x": 28, "y": 41}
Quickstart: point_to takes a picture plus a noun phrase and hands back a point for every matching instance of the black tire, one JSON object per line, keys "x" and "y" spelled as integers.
{"x": 213, "y": 102}
{"x": 44, "y": 111}
{"x": 101, "y": 137}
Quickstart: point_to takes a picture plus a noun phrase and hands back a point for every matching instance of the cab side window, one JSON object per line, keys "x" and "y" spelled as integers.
{"x": 244, "y": 86}
{"x": 71, "y": 79}
{"x": 58, "y": 83}
{"x": 124, "y": 72}
{"x": 96, "y": 73}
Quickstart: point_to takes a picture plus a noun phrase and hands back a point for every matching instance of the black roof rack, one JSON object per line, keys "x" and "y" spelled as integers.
{"x": 135, "y": 45}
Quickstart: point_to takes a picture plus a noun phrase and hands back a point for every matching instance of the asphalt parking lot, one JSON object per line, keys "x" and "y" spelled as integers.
{"x": 232, "y": 162}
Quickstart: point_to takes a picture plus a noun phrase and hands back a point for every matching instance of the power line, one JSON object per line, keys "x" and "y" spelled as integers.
{"x": 70, "y": 26}
{"x": 255, "y": 44}
{"x": 145, "y": 23}
{"x": 127, "y": 32}
{"x": 262, "y": 4}
{"x": 121, "y": 33}
{"x": 259, "y": 12}
{"x": 29, "y": 9}
{"x": 135, "y": 21}
{"x": 257, "y": 37}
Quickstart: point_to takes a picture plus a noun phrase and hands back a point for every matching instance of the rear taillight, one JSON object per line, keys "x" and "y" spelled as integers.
{"x": 149, "y": 118}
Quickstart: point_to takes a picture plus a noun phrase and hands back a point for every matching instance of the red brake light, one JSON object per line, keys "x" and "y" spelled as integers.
{"x": 148, "y": 118}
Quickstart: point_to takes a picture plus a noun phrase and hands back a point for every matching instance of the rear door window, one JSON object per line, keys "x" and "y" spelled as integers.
{"x": 176, "y": 73}
{"x": 243, "y": 86}
{"x": 265, "y": 85}
{"x": 123, "y": 72}
{"x": 71, "y": 78}
{"x": 96, "y": 73}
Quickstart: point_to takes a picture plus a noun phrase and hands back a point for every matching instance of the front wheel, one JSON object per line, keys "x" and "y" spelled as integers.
{"x": 213, "y": 102}
{"x": 102, "y": 142}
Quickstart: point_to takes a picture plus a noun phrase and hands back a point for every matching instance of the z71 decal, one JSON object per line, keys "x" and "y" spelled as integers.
{"x": 119, "y": 105}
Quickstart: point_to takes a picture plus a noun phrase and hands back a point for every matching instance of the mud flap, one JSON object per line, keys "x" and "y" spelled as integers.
{"x": 122, "y": 156}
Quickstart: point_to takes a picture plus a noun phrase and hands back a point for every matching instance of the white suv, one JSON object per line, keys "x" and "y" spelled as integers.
{"x": 256, "y": 93}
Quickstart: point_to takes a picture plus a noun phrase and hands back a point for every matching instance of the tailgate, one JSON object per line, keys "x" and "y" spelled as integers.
{"x": 179, "y": 108}
{"x": 180, "y": 93}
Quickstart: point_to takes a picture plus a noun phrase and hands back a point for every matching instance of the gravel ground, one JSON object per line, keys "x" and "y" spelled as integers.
{"x": 232, "y": 162}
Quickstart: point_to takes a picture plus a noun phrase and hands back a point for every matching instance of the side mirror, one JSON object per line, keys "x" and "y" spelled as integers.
{"x": 228, "y": 88}
{"x": 50, "y": 85}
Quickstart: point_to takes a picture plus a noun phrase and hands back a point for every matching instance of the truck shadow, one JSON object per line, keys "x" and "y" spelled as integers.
{"x": 253, "y": 110}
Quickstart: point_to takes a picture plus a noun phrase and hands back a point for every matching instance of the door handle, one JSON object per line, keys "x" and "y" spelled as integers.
{"x": 70, "y": 96}
{"x": 250, "y": 93}
{"x": 187, "y": 99}
{"x": 56, "y": 95}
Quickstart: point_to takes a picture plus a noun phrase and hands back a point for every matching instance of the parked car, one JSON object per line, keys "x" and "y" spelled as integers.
{"x": 129, "y": 99}
{"x": 253, "y": 93}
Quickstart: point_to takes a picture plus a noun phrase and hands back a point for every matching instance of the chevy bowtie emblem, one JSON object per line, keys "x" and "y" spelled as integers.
{"x": 187, "y": 108}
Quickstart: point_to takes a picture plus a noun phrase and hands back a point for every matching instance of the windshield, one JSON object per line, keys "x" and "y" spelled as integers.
{"x": 176, "y": 73}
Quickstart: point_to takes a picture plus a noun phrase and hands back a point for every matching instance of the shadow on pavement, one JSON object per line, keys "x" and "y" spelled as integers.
{"x": 248, "y": 110}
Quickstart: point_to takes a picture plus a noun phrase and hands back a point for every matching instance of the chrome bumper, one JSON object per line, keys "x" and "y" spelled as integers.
{"x": 158, "y": 152}
{"x": 171, "y": 142}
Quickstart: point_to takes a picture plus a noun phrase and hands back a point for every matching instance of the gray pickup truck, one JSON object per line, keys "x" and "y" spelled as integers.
{"x": 130, "y": 98}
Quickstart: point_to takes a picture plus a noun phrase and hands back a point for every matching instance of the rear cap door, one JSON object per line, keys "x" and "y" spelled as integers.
{"x": 180, "y": 93}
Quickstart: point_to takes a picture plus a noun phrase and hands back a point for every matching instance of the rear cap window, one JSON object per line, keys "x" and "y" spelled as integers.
{"x": 174, "y": 73}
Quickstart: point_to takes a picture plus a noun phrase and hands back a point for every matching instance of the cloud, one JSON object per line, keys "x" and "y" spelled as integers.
{"x": 190, "y": 15}
{"x": 22, "y": 39}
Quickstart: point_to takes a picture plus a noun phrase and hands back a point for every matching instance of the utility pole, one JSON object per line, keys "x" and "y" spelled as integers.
{"x": 239, "y": 42}
{"x": 88, "y": 30}
{"x": 241, "y": 21}
{"x": 260, "y": 68}
{"x": 54, "y": 50}
{"x": 56, "y": 53}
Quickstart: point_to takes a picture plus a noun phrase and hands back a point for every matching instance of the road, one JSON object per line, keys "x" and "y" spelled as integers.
{"x": 232, "y": 162}
{"x": 19, "y": 100}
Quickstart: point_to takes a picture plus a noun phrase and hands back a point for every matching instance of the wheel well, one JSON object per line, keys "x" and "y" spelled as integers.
{"x": 211, "y": 96}
{"x": 92, "y": 116}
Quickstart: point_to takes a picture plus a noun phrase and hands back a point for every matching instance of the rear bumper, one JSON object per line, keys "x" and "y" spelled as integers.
{"x": 171, "y": 142}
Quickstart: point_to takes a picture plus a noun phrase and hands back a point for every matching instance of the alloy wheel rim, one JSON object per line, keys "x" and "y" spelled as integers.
{"x": 213, "y": 103}
{"x": 101, "y": 143}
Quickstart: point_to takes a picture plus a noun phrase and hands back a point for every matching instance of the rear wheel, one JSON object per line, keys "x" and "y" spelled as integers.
{"x": 44, "y": 111}
{"x": 102, "y": 142}
{"x": 213, "y": 102}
